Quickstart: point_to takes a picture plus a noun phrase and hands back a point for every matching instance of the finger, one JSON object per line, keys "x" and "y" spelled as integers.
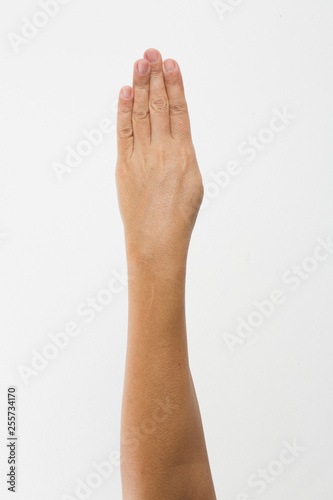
{"x": 179, "y": 117}
{"x": 141, "y": 119}
{"x": 124, "y": 122}
{"x": 158, "y": 99}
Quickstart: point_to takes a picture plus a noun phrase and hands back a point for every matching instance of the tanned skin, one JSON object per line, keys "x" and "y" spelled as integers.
{"x": 163, "y": 450}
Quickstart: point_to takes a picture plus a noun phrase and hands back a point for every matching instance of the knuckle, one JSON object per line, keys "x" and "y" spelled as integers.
{"x": 141, "y": 84}
{"x": 160, "y": 104}
{"x": 125, "y": 110}
{"x": 140, "y": 116}
{"x": 175, "y": 80}
{"x": 178, "y": 108}
{"x": 125, "y": 132}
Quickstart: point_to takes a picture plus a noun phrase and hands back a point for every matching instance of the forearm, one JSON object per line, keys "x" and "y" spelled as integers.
{"x": 163, "y": 448}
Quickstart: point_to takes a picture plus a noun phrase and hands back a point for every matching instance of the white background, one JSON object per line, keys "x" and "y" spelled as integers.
{"x": 60, "y": 241}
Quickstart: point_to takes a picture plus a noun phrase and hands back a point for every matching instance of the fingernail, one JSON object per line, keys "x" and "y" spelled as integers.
{"x": 169, "y": 65}
{"x": 126, "y": 92}
{"x": 152, "y": 55}
{"x": 142, "y": 67}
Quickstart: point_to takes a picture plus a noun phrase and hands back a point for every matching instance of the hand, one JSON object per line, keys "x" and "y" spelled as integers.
{"x": 158, "y": 179}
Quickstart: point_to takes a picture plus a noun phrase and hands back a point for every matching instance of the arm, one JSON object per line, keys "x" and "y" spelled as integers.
{"x": 160, "y": 190}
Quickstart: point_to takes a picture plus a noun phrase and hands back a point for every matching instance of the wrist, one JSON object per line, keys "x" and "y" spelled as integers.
{"x": 162, "y": 266}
